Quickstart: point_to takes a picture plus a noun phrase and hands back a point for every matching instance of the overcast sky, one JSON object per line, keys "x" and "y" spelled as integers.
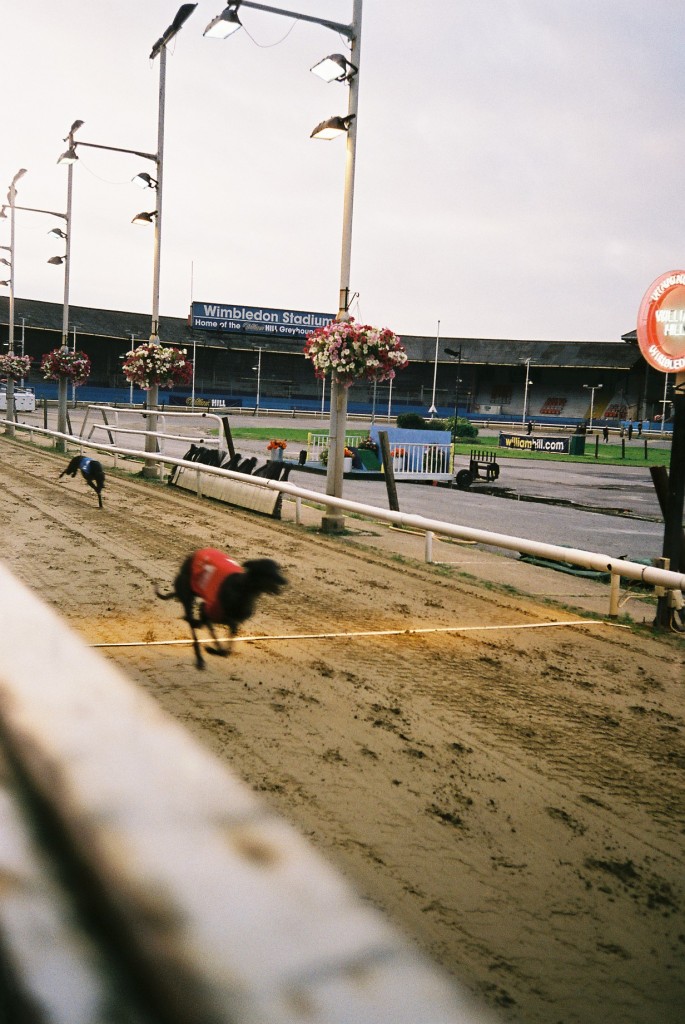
{"x": 519, "y": 162}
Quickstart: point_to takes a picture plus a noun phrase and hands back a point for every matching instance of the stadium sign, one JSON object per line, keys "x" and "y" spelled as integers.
{"x": 661, "y": 323}
{"x": 211, "y": 316}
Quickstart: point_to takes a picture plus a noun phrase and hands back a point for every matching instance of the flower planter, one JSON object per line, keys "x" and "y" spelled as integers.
{"x": 347, "y": 465}
{"x": 277, "y": 455}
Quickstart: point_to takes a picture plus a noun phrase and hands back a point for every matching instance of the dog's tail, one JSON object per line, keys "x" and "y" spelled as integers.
{"x": 165, "y": 597}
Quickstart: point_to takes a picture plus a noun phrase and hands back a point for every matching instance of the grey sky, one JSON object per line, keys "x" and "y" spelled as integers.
{"x": 518, "y": 163}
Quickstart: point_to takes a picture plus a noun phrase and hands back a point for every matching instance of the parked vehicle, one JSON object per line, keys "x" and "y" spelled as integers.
{"x": 24, "y": 399}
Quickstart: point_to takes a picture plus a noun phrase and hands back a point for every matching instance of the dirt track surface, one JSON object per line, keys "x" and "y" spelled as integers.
{"x": 511, "y": 797}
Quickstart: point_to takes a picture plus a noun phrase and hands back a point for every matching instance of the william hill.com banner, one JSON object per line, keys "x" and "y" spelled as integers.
{"x": 531, "y": 443}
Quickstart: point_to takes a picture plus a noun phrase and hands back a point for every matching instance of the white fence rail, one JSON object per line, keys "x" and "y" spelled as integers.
{"x": 618, "y": 567}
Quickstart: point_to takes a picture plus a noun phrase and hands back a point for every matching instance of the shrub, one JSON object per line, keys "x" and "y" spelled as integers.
{"x": 464, "y": 427}
{"x": 411, "y": 421}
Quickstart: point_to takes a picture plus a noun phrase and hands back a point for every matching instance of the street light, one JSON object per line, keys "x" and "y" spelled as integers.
{"x": 432, "y": 409}
{"x": 334, "y": 68}
{"x": 333, "y": 521}
{"x": 592, "y": 388}
{"x": 258, "y": 368}
{"x": 225, "y": 24}
{"x": 664, "y": 402}
{"x": 151, "y": 468}
{"x": 11, "y": 197}
{"x": 332, "y": 128}
{"x": 456, "y": 354}
{"x": 525, "y": 392}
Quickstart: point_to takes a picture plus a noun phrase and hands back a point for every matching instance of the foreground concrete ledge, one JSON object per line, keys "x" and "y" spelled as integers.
{"x": 214, "y": 909}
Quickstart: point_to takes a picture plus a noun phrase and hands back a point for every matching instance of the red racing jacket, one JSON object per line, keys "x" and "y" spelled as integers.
{"x": 208, "y": 569}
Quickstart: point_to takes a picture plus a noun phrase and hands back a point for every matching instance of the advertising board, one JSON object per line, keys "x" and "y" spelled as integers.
{"x": 534, "y": 444}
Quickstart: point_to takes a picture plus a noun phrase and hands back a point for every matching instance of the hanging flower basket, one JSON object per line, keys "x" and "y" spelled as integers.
{"x": 152, "y": 365}
{"x": 348, "y": 352}
{"x": 14, "y": 367}
{"x": 75, "y": 366}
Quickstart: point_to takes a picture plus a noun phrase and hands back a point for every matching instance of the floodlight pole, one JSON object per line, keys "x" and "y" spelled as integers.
{"x": 432, "y": 409}
{"x": 62, "y": 386}
{"x": 11, "y": 195}
{"x": 151, "y": 467}
{"x": 333, "y": 521}
{"x": 525, "y": 392}
{"x": 592, "y": 388}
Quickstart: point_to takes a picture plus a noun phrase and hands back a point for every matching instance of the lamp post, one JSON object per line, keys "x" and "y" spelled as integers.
{"x": 432, "y": 409}
{"x": 332, "y": 68}
{"x": 258, "y": 368}
{"x": 456, "y": 354}
{"x": 11, "y": 197}
{"x": 592, "y": 388}
{"x": 664, "y": 402}
{"x": 525, "y": 391}
{"x": 151, "y": 467}
{"x": 56, "y": 261}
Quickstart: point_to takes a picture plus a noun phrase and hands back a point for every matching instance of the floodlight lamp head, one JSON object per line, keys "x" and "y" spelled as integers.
{"x": 20, "y": 174}
{"x": 70, "y": 156}
{"x": 145, "y": 180}
{"x": 145, "y": 218}
{"x": 225, "y": 24}
{"x": 5, "y": 262}
{"x": 57, "y": 233}
{"x": 333, "y": 127}
{"x": 57, "y": 261}
{"x": 4, "y": 284}
{"x": 182, "y": 15}
{"x": 334, "y": 68}
{"x": 2, "y": 212}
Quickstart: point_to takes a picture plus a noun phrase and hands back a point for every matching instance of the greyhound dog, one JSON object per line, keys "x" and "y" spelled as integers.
{"x": 91, "y": 471}
{"x": 226, "y": 591}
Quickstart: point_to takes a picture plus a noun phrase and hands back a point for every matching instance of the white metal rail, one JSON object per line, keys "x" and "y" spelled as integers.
{"x": 618, "y": 567}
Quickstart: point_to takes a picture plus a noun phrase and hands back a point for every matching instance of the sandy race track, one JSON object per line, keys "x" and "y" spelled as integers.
{"x": 511, "y": 797}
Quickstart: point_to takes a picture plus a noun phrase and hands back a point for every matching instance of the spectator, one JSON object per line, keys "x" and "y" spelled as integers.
{"x": 630, "y": 431}
{"x": 605, "y": 433}
{"x": 529, "y": 427}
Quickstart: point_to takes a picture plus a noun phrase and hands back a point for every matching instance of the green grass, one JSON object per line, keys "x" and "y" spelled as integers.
{"x": 609, "y": 454}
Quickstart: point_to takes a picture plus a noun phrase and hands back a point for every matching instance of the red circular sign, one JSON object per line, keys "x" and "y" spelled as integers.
{"x": 661, "y": 323}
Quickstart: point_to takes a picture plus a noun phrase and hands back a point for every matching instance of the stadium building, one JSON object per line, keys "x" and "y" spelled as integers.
{"x": 246, "y": 356}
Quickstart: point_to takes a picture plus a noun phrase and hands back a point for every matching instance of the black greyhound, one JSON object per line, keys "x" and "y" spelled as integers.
{"x": 226, "y": 591}
{"x": 91, "y": 471}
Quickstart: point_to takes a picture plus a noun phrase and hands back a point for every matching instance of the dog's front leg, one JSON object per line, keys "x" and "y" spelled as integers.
{"x": 199, "y": 660}
{"x": 223, "y": 652}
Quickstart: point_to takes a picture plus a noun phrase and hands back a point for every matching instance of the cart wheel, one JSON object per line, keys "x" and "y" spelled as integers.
{"x": 464, "y": 479}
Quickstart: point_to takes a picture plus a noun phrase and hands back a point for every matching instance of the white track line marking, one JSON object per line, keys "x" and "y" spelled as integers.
{"x": 375, "y": 632}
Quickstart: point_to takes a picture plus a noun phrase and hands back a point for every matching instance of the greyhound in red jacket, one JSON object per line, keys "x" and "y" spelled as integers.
{"x": 226, "y": 591}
